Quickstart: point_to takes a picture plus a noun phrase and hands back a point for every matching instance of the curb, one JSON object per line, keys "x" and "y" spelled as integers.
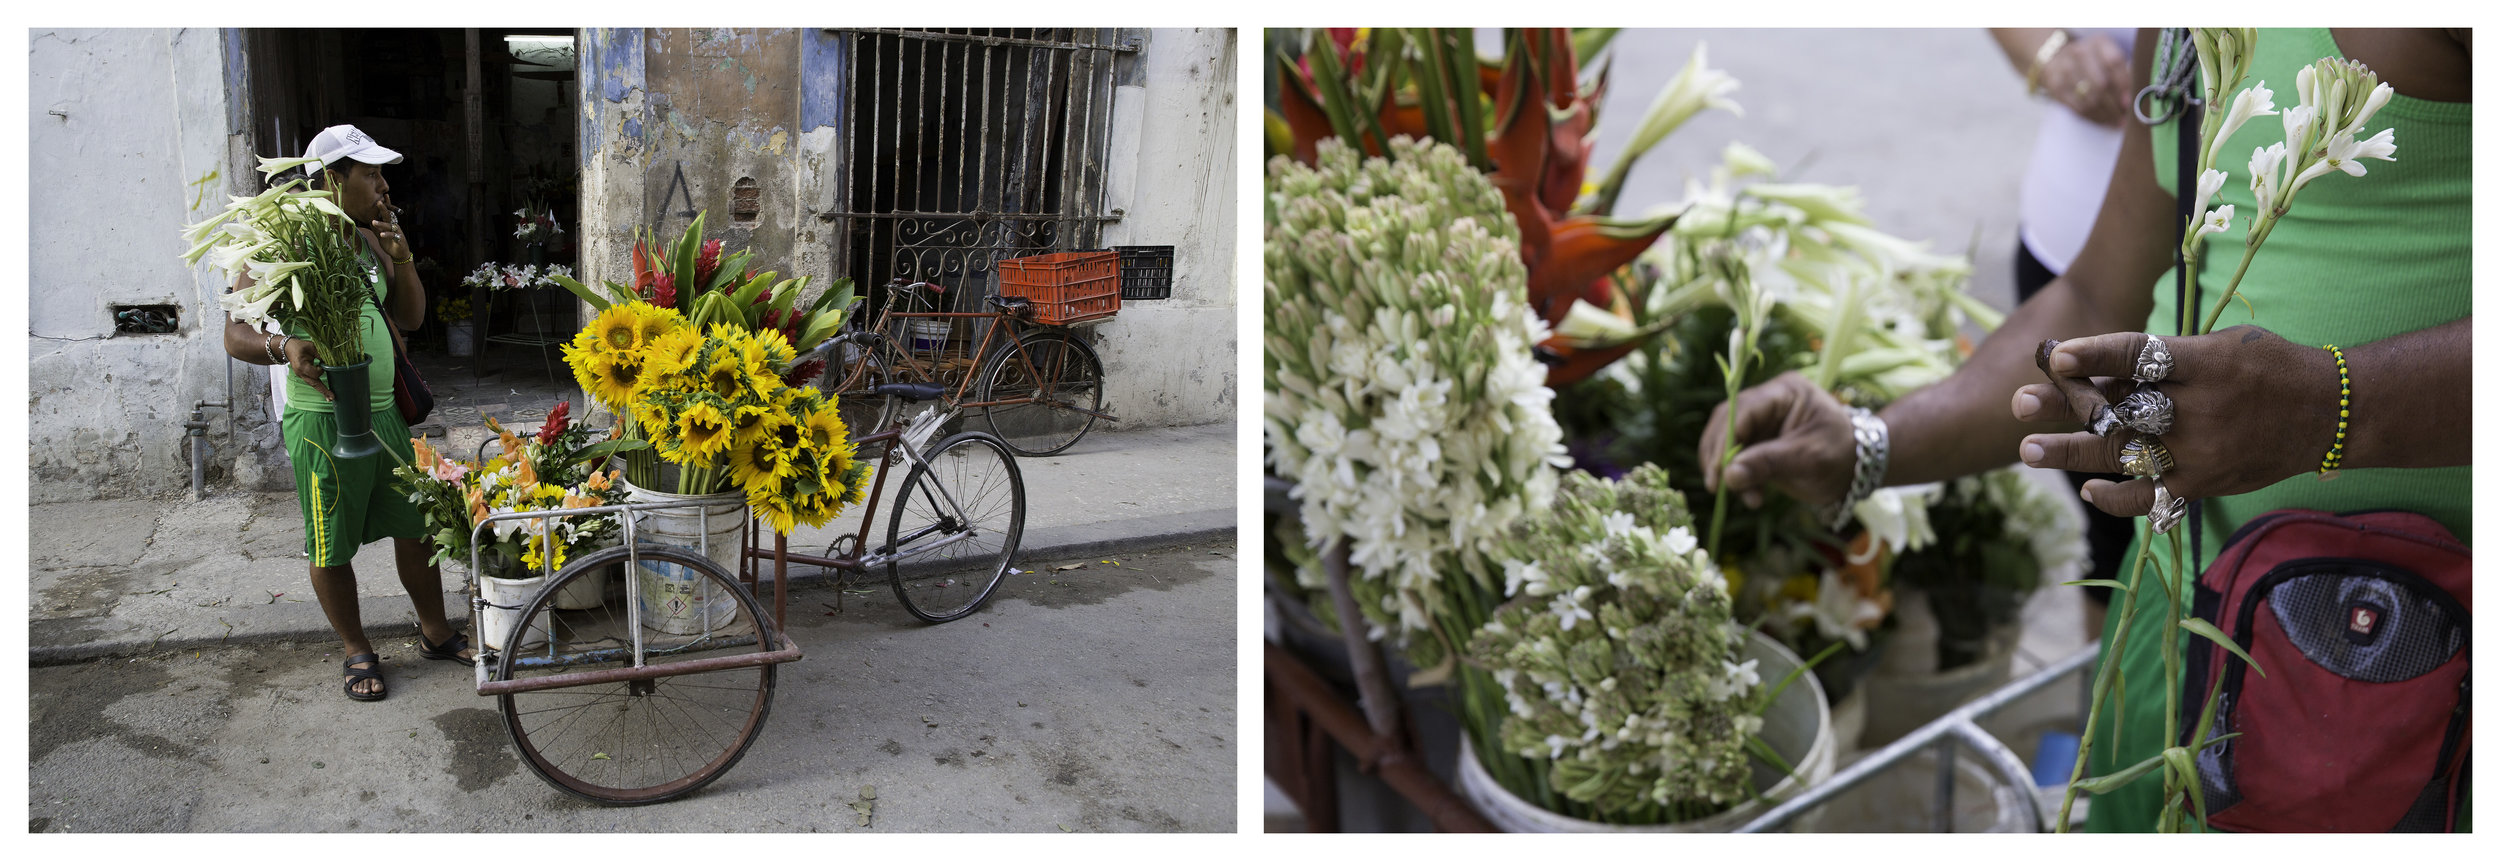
{"x": 304, "y": 623}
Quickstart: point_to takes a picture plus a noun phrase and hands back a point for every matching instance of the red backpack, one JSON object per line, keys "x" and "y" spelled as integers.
{"x": 2362, "y": 720}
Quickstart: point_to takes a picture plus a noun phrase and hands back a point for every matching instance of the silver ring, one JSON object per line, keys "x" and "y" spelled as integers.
{"x": 2153, "y": 363}
{"x": 2167, "y": 509}
{"x": 2148, "y": 411}
{"x": 2145, "y": 457}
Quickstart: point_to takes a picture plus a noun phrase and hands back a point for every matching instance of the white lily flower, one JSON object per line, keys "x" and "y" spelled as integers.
{"x": 274, "y": 272}
{"x": 2206, "y": 185}
{"x": 1589, "y": 324}
{"x": 275, "y": 166}
{"x": 2214, "y": 222}
{"x": 251, "y": 304}
{"x": 2251, "y": 103}
{"x": 1742, "y": 160}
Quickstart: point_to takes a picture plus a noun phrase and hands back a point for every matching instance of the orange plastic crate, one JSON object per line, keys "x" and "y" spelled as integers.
{"x": 1065, "y": 288}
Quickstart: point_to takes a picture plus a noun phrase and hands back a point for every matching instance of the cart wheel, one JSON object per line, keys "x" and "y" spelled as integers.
{"x": 1063, "y": 379}
{"x": 948, "y": 582}
{"x": 640, "y": 741}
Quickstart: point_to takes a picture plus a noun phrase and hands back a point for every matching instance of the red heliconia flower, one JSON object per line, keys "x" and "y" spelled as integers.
{"x": 706, "y": 262}
{"x": 805, "y": 372}
{"x": 556, "y": 420}
{"x": 643, "y": 270}
{"x": 664, "y": 290}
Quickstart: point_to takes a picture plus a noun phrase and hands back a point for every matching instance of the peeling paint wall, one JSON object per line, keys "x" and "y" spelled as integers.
{"x": 1173, "y": 169}
{"x": 122, "y": 123}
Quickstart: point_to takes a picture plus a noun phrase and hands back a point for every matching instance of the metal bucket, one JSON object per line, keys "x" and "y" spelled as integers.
{"x": 676, "y": 599}
{"x": 1798, "y": 726}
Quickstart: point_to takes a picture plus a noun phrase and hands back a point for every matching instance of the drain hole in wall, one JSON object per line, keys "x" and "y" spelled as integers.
{"x": 146, "y": 319}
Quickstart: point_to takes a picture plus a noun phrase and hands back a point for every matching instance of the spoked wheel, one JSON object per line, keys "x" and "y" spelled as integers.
{"x": 956, "y": 523}
{"x": 645, "y": 740}
{"x": 1063, "y": 379}
{"x": 862, "y": 410}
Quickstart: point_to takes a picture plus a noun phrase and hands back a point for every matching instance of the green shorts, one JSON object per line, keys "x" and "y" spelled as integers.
{"x": 349, "y": 502}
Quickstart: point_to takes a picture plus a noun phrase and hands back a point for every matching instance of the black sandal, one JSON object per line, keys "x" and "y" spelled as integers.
{"x": 357, "y": 674}
{"x": 448, "y": 650}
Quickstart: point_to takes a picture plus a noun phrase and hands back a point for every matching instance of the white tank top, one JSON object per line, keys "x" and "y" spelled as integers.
{"x": 2070, "y": 166}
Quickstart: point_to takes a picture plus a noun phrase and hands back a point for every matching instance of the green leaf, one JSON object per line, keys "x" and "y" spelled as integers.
{"x": 597, "y": 302}
{"x": 1587, "y": 41}
{"x": 1756, "y": 746}
{"x": 2113, "y": 584}
{"x": 2110, "y": 783}
{"x": 2183, "y": 764}
{"x": 2207, "y": 630}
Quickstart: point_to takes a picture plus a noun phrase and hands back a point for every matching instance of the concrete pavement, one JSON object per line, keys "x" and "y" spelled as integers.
{"x": 136, "y": 576}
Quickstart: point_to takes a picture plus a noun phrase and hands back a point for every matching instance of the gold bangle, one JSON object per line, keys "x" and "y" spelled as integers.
{"x": 410, "y": 259}
{"x": 2040, "y": 60}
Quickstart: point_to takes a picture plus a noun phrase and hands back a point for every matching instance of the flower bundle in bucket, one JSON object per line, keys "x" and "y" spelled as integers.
{"x": 309, "y": 275}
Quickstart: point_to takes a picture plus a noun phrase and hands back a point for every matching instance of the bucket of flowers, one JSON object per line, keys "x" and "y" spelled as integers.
{"x": 459, "y": 331}
{"x": 308, "y": 273}
{"x": 561, "y": 467}
{"x": 535, "y": 224}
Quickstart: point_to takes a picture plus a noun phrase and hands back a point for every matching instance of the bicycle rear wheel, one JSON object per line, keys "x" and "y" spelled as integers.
{"x": 862, "y": 409}
{"x": 1062, "y": 379}
{"x": 636, "y": 741}
{"x": 954, "y": 558}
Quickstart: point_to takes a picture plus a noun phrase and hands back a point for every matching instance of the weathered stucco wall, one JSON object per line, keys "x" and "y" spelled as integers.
{"x": 1171, "y": 362}
{"x": 122, "y": 124}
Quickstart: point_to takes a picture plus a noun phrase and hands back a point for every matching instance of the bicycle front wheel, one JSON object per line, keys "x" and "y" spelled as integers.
{"x": 956, "y": 524}
{"x": 645, "y": 740}
{"x": 1059, "y": 381}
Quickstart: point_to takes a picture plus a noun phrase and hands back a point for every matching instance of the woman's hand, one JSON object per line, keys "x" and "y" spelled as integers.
{"x": 1793, "y": 436}
{"x": 306, "y": 363}
{"x": 2089, "y": 76}
{"x": 2249, "y": 409}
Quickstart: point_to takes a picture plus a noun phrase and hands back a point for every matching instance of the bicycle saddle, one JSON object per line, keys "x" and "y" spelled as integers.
{"x": 912, "y": 391}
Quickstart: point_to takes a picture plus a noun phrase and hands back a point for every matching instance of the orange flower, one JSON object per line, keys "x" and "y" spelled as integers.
{"x": 477, "y": 504}
{"x": 426, "y": 458}
{"x": 1863, "y": 567}
{"x": 525, "y": 475}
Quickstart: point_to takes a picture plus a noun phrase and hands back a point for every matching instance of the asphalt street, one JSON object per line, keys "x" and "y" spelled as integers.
{"x": 1087, "y": 699}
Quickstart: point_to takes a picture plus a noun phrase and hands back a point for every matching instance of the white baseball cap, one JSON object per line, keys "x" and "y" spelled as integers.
{"x": 346, "y": 141}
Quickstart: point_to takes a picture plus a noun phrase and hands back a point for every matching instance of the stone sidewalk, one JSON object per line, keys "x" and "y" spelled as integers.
{"x": 132, "y": 576}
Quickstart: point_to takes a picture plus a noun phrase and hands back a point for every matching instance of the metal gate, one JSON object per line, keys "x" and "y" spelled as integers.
{"x": 964, "y": 147}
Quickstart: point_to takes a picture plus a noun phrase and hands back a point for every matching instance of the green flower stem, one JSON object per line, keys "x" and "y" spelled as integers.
{"x": 2101, "y": 686}
{"x": 2256, "y": 237}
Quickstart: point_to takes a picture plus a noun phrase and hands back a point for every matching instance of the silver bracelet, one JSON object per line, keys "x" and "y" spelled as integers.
{"x": 1874, "y": 453}
{"x": 272, "y": 351}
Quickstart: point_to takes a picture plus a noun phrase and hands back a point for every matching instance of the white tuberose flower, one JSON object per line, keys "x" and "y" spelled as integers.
{"x": 2214, "y": 222}
{"x": 2251, "y": 103}
{"x": 2265, "y": 172}
{"x": 2345, "y": 154}
{"x": 2206, "y": 185}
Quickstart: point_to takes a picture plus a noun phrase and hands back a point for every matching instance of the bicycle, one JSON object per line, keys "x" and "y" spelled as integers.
{"x": 625, "y": 709}
{"x": 1040, "y": 390}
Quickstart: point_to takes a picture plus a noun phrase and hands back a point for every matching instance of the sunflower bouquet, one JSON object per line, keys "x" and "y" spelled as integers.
{"x": 720, "y": 404}
{"x": 556, "y": 469}
{"x": 709, "y": 285}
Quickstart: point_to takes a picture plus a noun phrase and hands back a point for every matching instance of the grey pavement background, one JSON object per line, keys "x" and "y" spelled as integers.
{"x": 1932, "y": 127}
{"x": 1094, "y": 699}
{"x": 127, "y": 577}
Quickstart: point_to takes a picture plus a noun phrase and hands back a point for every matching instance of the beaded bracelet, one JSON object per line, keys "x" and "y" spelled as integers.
{"x": 2343, "y": 412}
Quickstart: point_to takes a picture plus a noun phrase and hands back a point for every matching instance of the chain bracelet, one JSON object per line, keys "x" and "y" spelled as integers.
{"x": 1874, "y": 453}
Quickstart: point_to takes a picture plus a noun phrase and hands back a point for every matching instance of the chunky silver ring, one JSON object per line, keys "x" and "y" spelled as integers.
{"x": 2145, "y": 457}
{"x": 2148, "y": 411}
{"x": 2167, "y": 509}
{"x": 2153, "y": 363}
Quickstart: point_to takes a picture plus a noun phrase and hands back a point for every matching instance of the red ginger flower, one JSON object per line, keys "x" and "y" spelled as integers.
{"x": 706, "y": 263}
{"x": 556, "y": 420}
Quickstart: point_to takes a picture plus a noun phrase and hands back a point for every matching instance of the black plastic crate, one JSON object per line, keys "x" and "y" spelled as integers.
{"x": 1145, "y": 272}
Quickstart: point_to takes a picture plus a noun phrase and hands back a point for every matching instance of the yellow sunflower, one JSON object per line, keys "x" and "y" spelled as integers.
{"x": 619, "y": 379}
{"x": 653, "y": 323}
{"x": 673, "y": 350}
{"x": 702, "y": 433}
{"x": 825, "y": 430}
{"x": 614, "y": 329}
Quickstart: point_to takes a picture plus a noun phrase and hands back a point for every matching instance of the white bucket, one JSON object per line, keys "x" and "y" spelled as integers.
{"x": 1899, "y": 799}
{"x": 1798, "y": 726}
{"x": 930, "y": 334}
{"x": 676, "y": 599}
{"x": 462, "y": 338}
{"x": 506, "y": 600}
{"x": 585, "y": 592}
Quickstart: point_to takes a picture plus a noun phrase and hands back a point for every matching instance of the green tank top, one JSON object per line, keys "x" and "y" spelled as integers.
{"x": 300, "y": 395}
{"x": 2358, "y": 259}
